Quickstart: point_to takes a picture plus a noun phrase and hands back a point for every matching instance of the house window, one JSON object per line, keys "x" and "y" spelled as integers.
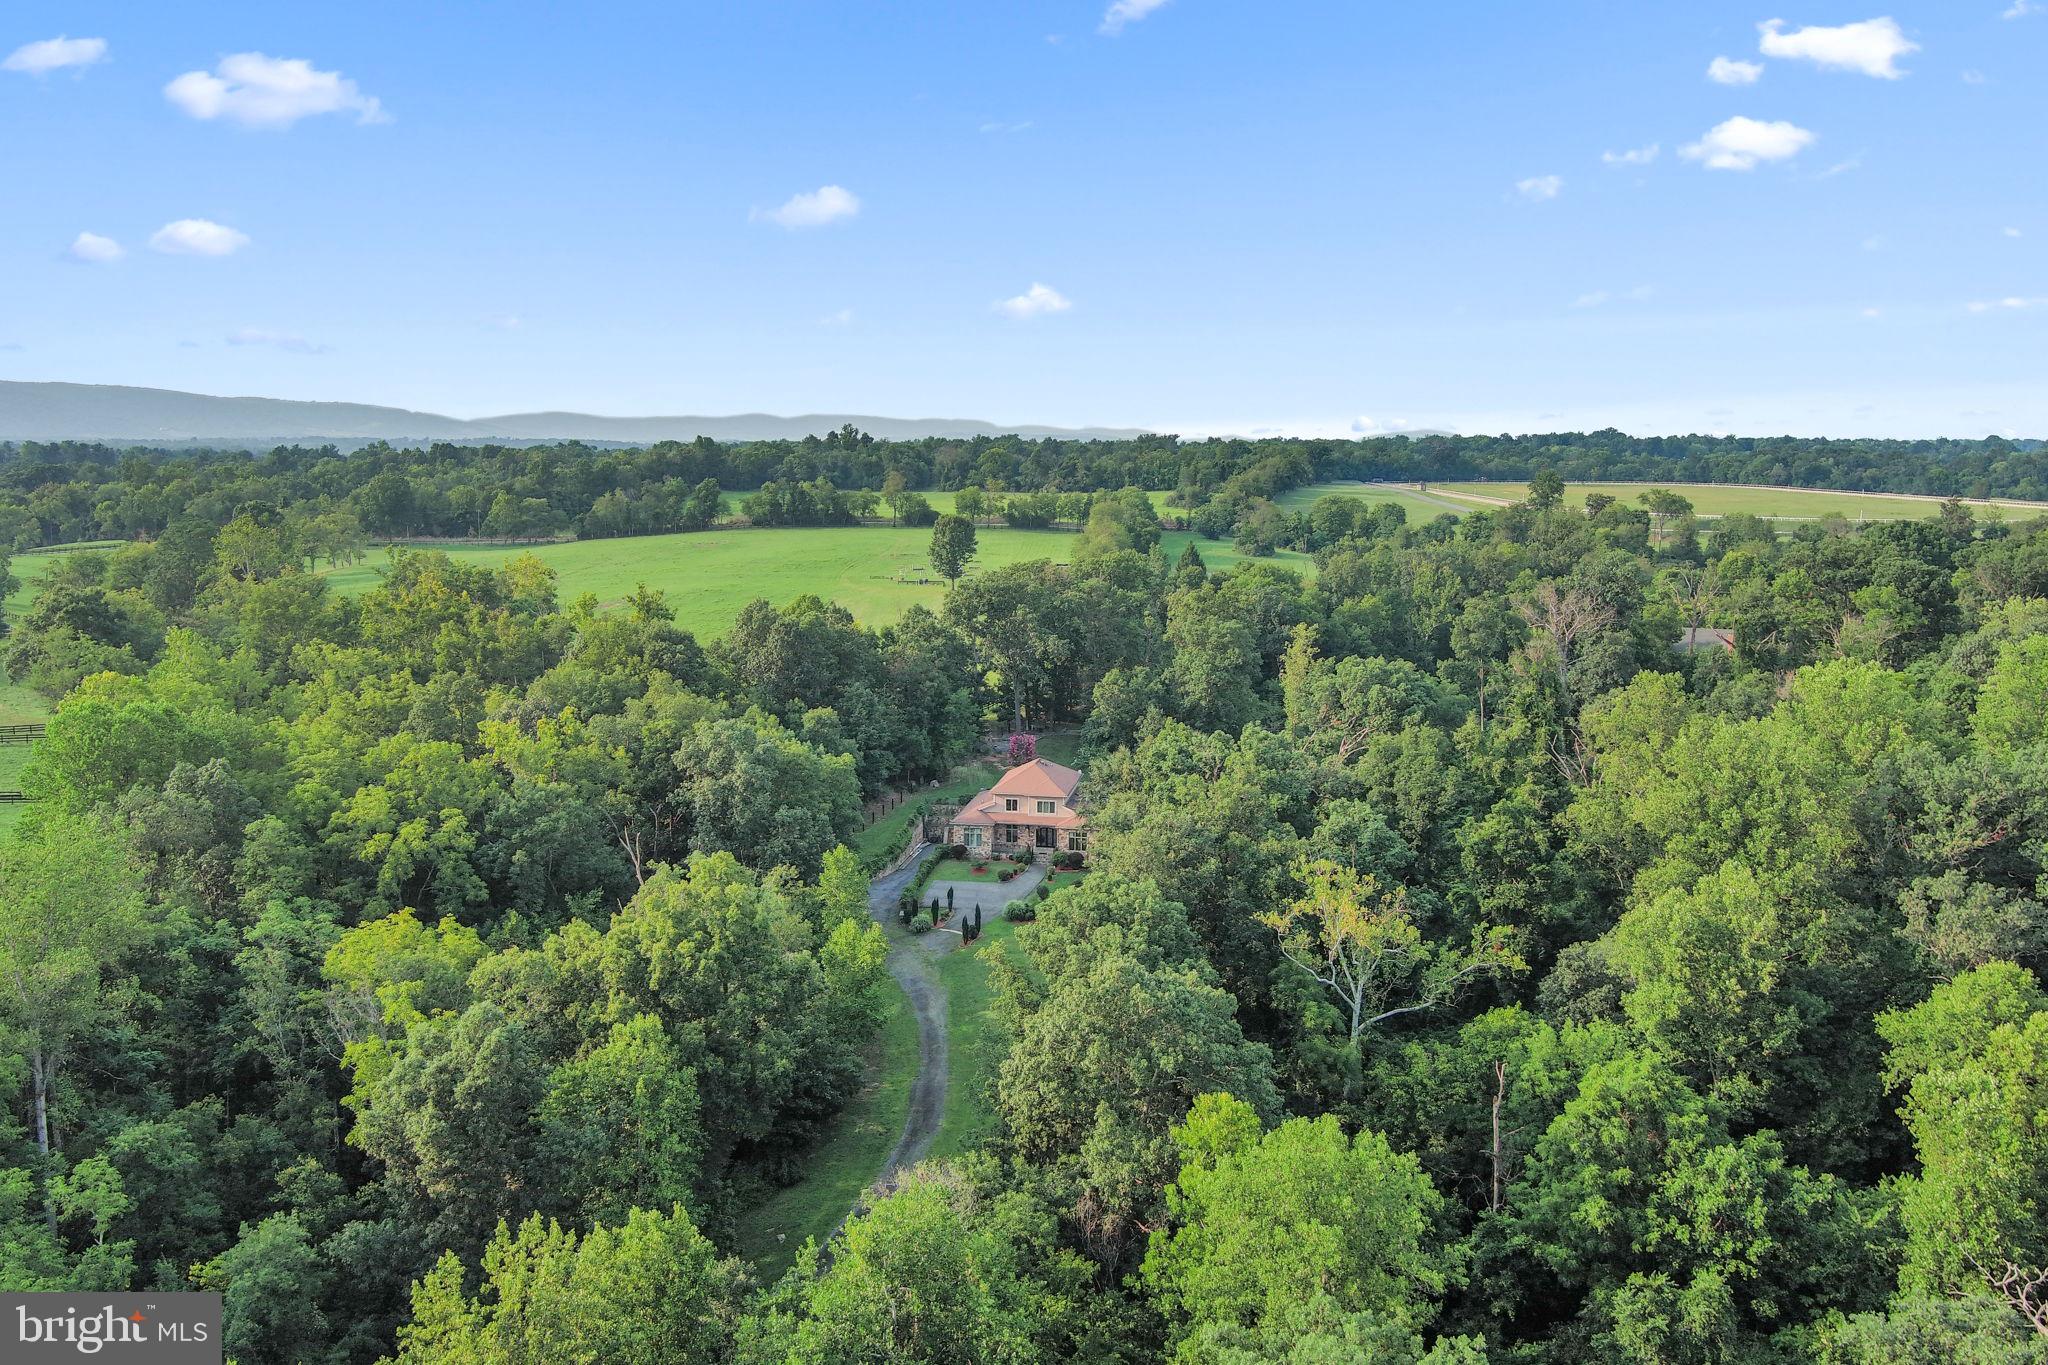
{"x": 971, "y": 838}
{"x": 1077, "y": 842}
{"x": 1045, "y": 808}
{"x": 1009, "y": 803}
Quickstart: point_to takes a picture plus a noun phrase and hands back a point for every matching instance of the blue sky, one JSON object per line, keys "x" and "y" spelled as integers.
{"x": 1276, "y": 216}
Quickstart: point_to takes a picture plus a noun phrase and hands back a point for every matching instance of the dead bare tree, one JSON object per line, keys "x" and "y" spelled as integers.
{"x": 2024, "y": 1289}
{"x": 1561, "y": 618}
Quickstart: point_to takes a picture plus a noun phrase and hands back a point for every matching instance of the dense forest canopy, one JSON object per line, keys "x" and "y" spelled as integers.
{"x": 53, "y": 494}
{"x": 1463, "y": 971}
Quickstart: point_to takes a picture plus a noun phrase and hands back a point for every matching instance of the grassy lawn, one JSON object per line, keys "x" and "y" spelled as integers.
{"x": 962, "y": 870}
{"x": 849, "y": 1156}
{"x": 19, "y": 705}
{"x": 970, "y": 1065}
{"x": 1059, "y": 881}
{"x": 710, "y": 575}
{"x": 13, "y": 757}
{"x": 876, "y": 572}
{"x": 1222, "y": 554}
{"x": 1714, "y": 500}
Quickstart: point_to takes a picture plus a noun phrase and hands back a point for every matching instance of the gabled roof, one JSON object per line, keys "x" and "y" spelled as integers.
{"x": 1038, "y": 778}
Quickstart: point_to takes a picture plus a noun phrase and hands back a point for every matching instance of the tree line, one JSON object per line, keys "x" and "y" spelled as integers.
{"x": 63, "y": 492}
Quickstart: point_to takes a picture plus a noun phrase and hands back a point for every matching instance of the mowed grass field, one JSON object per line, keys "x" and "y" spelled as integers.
{"x": 1719, "y": 500}
{"x": 876, "y": 572}
{"x": 872, "y": 571}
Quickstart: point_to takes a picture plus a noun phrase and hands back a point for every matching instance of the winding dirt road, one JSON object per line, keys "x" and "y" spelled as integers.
{"x": 910, "y": 965}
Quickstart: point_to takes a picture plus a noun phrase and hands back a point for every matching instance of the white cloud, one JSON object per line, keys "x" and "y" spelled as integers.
{"x": 842, "y": 317}
{"x": 1873, "y": 312}
{"x": 54, "y": 54}
{"x": 1601, "y": 296}
{"x": 1126, "y": 12}
{"x": 1372, "y": 426}
{"x": 270, "y": 92}
{"x": 1017, "y": 127}
{"x": 2020, "y": 9}
{"x": 1842, "y": 167}
{"x": 1634, "y": 156}
{"x": 1728, "y": 71}
{"x": 95, "y": 249}
{"x": 2014, "y": 232}
{"x": 282, "y": 341}
{"x": 197, "y": 237}
{"x": 1873, "y": 46}
{"x": 1975, "y": 77}
{"x": 2011, "y": 304}
{"x": 1540, "y": 187}
{"x": 505, "y": 322}
{"x": 826, "y": 204}
{"x": 1739, "y": 144}
{"x": 1036, "y": 301}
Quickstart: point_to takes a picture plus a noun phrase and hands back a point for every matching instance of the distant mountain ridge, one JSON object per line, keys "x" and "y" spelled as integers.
{"x": 51, "y": 411}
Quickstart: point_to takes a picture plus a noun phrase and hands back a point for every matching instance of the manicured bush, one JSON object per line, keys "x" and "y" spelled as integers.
{"x": 923, "y": 923}
{"x": 1021, "y": 912}
{"x": 981, "y": 867}
{"x": 1022, "y": 857}
{"x": 1067, "y": 860}
{"x": 954, "y": 851}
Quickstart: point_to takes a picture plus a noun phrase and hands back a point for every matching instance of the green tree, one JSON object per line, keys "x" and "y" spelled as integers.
{"x": 952, "y": 546}
{"x": 72, "y": 918}
{"x": 1973, "y": 1062}
{"x": 1359, "y": 941}
{"x": 651, "y": 1288}
{"x": 1263, "y": 1221}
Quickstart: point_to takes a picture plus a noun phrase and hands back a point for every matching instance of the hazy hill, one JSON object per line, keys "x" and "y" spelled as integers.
{"x": 117, "y": 412}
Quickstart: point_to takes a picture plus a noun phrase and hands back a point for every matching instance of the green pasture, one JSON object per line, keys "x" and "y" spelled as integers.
{"x": 1720, "y": 500}
{"x": 876, "y": 572}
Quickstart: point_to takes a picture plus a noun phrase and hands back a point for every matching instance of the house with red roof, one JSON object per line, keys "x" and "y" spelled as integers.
{"x": 1030, "y": 807}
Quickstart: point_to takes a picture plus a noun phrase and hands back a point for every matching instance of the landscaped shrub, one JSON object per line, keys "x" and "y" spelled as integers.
{"x": 884, "y": 857}
{"x": 1023, "y": 748}
{"x": 1006, "y": 874}
{"x": 1067, "y": 860}
{"x": 1022, "y": 857}
{"x": 923, "y": 923}
{"x": 1021, "y": 911}
{"x": 924, "y": 875}
{"x": 981, "y": 867}
{"x": 954, "y": 851}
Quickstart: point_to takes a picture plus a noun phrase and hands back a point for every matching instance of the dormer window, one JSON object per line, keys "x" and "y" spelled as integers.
{"x": 1009, "y": 803}
{"x": 1045, "y": 808}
